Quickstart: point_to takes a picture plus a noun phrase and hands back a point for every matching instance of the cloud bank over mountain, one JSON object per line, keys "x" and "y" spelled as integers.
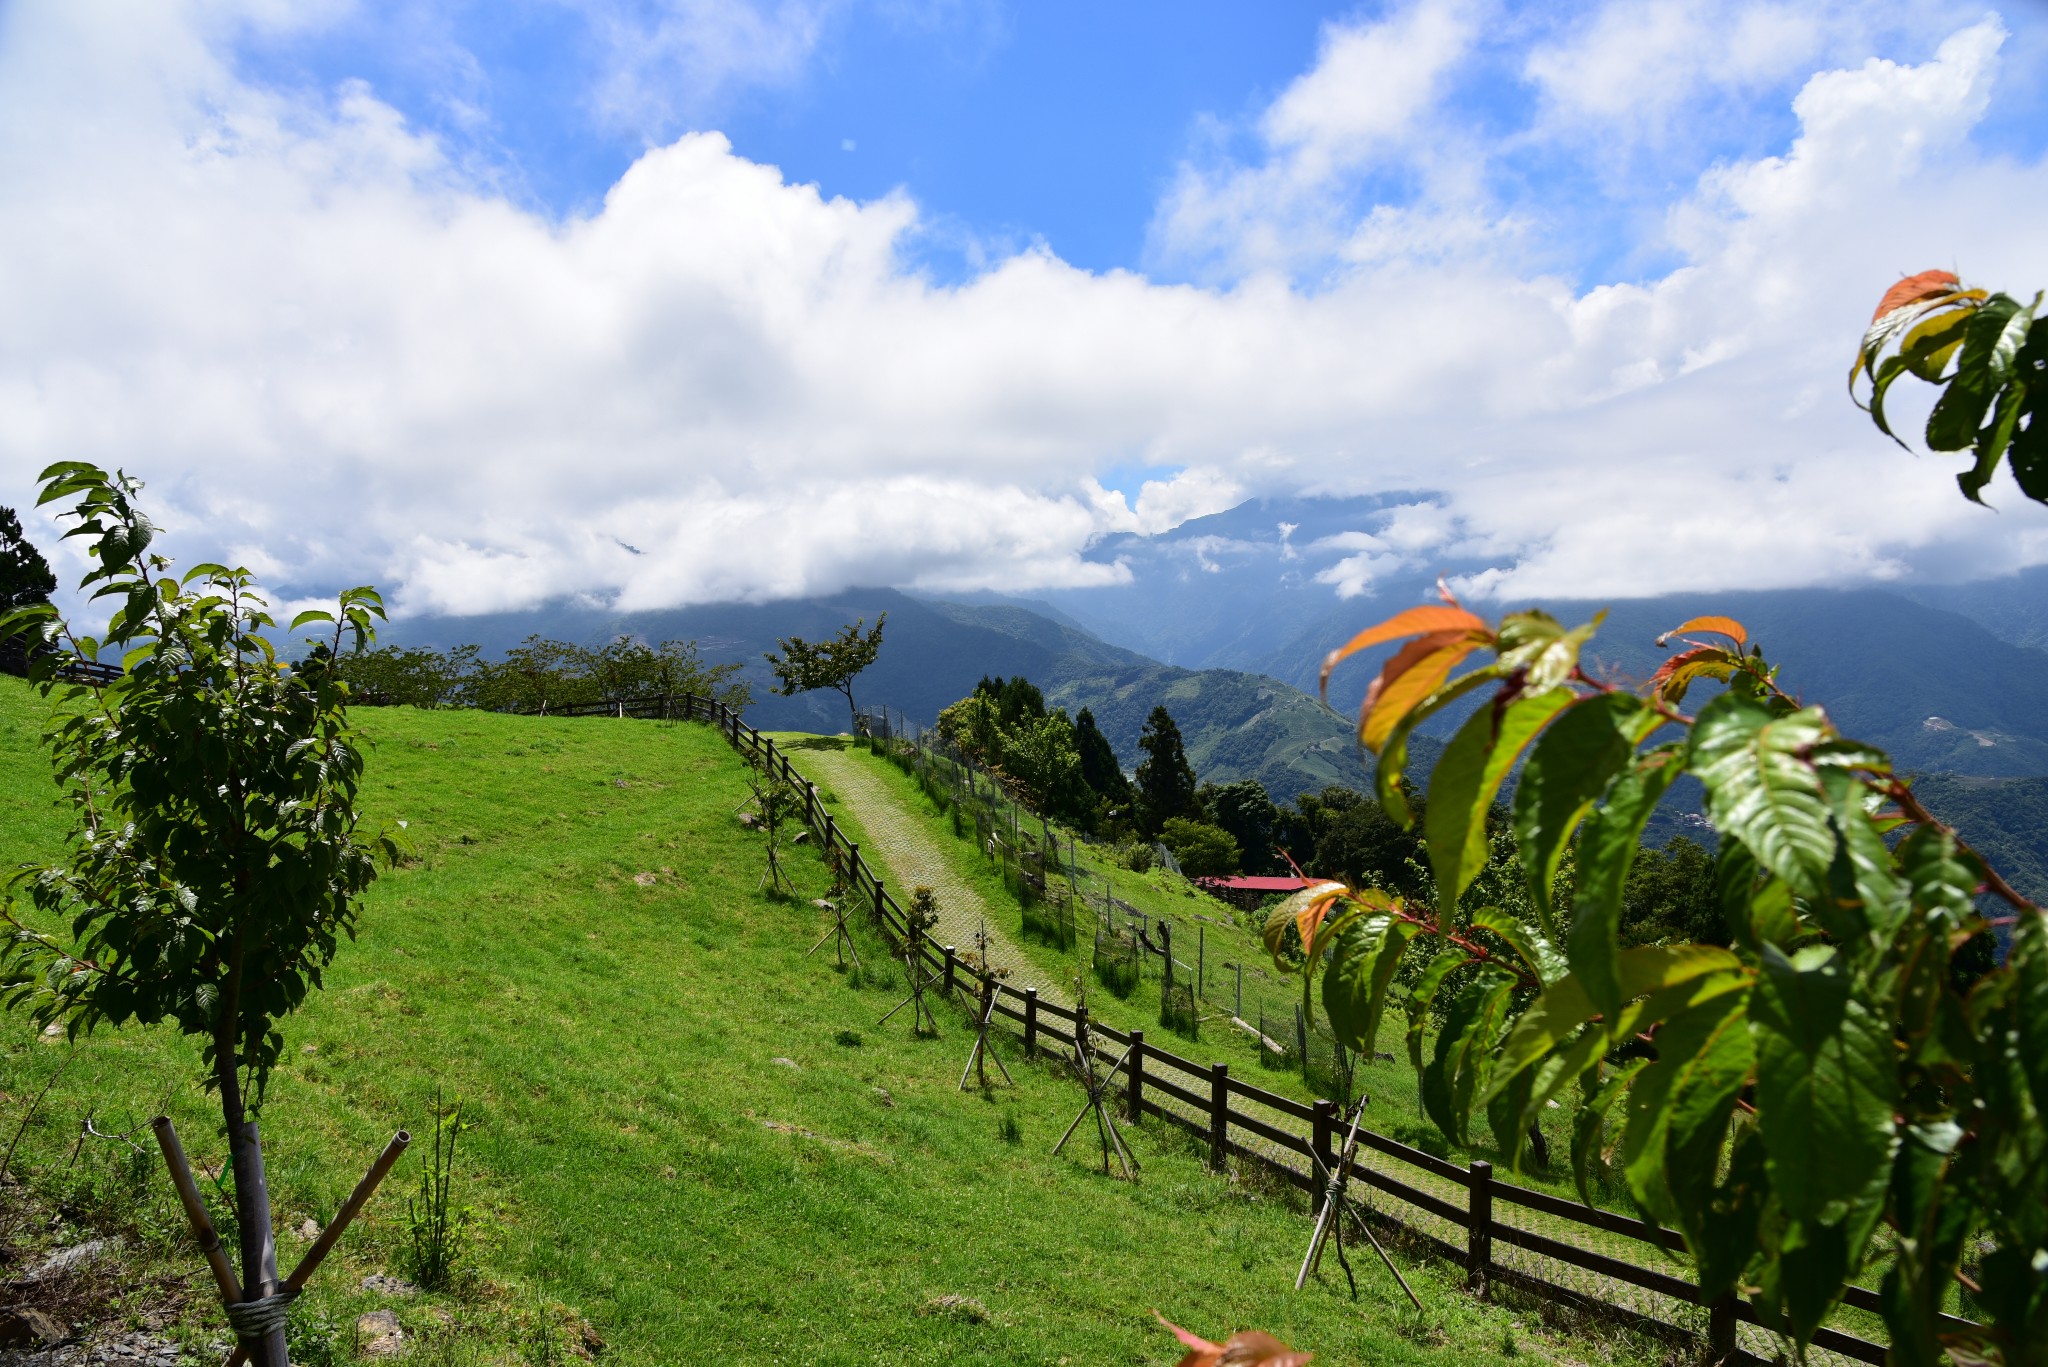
{"x": 341, "y": 351}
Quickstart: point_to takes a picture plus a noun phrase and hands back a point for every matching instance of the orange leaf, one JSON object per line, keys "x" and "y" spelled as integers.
{"x": 1720, "y": 626}
{"x": 1247, "y": 1348}
{"x": 1411, "y": 675}
{"x": 1676, "y": 674}
{"x": 1915, "y": 288}
{"x": 1310, "y": 918}
{"x": 1413, "y": 622}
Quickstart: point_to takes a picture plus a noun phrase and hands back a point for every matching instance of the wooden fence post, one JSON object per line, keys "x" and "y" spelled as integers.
{"x": 878, "y": 904}
{"x": 1219, "y": 1115}
{"x": 1030, "y": 1021}
{"x": 1135, "y": 1070}
{"x": 1479, "y": 1225}
{"x": 1321, "y": 1139}
{"x": 1721, "y": 1331}
{"x": 950, "y": 961}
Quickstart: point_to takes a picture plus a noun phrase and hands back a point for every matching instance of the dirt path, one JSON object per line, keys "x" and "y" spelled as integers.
{"x": 903, "y": 846}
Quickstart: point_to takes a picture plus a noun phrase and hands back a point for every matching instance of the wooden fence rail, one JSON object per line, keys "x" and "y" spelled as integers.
{"x": 1204, "y": 1099}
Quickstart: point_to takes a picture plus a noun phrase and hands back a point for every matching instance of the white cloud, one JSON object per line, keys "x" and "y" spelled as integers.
{"x": 669, "y": 60}
{"x": 1373, "y": 82}
{"x": 333, "y": 351}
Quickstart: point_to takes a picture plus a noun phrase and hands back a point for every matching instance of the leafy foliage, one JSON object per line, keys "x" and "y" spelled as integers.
{"x": 1987, "y": 353}
{"x": 1201, "y": 850}
{"x": 539, "y": 673}
{"x": 215, "y": 863}
{"x": 25, "y": 581}
{"x": 833, "y": 663}
{"x": 1005, "y": 726}
{"x": 1780, "y": 1098}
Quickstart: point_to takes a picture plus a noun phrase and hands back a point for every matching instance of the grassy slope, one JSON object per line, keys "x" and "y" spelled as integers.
{"x": 615, "y": 1042}
{"x": 1232, "y": 937}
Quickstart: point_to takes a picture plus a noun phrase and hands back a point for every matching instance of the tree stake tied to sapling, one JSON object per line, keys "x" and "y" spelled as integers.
{"x": 215, "y": 862}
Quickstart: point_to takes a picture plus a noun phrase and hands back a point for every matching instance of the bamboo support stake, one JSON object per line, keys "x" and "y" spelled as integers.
{"x": 350, "y": 1208}
{"x": 195, "y": 1210}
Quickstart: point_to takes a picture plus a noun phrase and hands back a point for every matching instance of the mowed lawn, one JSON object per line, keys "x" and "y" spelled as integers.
{"x": 579, "y": 952}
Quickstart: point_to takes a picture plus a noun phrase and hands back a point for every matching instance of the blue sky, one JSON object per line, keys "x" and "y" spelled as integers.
{"x": 1057, "y": 122}
{"x": 792, "y": 294}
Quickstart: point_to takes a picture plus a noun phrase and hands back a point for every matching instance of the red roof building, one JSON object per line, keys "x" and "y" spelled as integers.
{"x": 1248, "y": 891}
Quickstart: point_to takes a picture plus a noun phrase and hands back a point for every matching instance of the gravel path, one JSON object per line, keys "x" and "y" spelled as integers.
{"x": 902, "y": 846}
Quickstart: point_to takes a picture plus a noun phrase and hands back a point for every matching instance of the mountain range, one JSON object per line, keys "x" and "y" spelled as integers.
{"x": 1226, "y": 620}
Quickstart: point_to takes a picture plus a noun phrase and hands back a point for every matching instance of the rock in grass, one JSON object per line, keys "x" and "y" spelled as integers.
{"x": 23, "y": 1326}
{"x": 380, "y": 1334}
{"x": 77, "y": 1256}
{"x": 786, "y": 1063}
{"x": 966, "y": 1309}
{"x": 385, "y": 1285}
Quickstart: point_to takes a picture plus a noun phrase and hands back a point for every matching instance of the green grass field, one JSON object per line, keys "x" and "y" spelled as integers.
{"x": 578, "y": 952}
{"x": 1394, "y": 1106}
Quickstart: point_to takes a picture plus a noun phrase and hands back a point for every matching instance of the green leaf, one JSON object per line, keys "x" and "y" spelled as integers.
{"x": 1959, "y": 412}
{"x": 1725, "y": 1243}
{"x": 1463, "y": 1049}
{"x": 2028, "y": 454}
{"x": 1422, "y": 994}
{"x": 1679, "y": 1108}
{"x": 1536, "y": 647}
{"x": 1577, "y": 757}
{"x": 1607, "y": 850}
{"x": 1764, "y": 790}
{"x": 1535, "y": 950}
{"x": 1754, "y": 904}
{"x": 1393, "y": 757}
{"x": 1866, "y": 894}
{"x": 1928, "y": 348}
{"x": 1889, "y": 370}
{"x": 1466, "y": 779}
{"x": 1933, "y": 1217}
{"x": 2011, "y": 337}
{"x": 1825, "y": 1085}
{"x": 1803, "y": 1283}
{"x": 1359, "y": 976}
{"x": 1991, "y": 441}
{"x": 310, "y": 615}
{"x": 1590, "y": 1124}
{"x": 1942, "y": 879}
{"x": 1565, "y": 1005}
{"x": 1506, "y": 1109}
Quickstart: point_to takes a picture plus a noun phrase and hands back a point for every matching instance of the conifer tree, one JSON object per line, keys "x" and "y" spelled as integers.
{"x": 1166, "y": 781}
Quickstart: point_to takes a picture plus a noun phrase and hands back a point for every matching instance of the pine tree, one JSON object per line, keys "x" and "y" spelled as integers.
{"x": 1099, "y": 767}
{"x": 1166, "y": 781}
{"x": 25, "y": 580}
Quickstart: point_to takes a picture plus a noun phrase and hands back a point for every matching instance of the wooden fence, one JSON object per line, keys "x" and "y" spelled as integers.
{"x": 1249, "y": 1123}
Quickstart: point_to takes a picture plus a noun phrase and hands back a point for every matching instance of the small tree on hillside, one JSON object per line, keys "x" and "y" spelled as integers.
{"x": 1166, "y": 781}
{"x": 805, "y": 665}
{"x": 1245, "y": 811}
{"x": 1201, "y": 850}
{"x": 214, "y": 864}
{"x": 1099, "y": 767}
{"x": 25, "y": 581}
